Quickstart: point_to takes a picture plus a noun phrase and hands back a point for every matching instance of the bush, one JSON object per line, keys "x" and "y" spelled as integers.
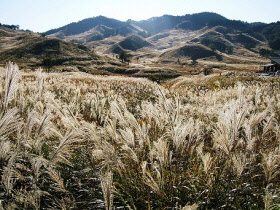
{"x": 48, "y": 63}
{"x": 124, "y": 56}
{"x": 207, "y": 71}
{"x": 264, "y": 52}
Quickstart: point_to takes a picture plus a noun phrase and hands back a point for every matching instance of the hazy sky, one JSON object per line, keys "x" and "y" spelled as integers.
{"x": 42, "y": 15}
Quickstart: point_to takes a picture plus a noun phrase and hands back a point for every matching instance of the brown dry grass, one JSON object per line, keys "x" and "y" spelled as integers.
{"x": 197, "y": 141}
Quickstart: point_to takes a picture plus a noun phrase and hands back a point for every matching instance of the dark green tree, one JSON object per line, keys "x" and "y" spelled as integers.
{"x": 124, "y": 56}
{"x": 48, "y": 63}
{"x": 13, "y": 27}
{"x": 229, "y": 49}
{"x": 264, "y": 52}
{"x": 207, "y": 71}
{"x": 212, "y": 47}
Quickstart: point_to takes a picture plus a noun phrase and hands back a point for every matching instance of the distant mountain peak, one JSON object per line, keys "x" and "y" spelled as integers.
{"x": 101, "y": 27}
{"x": 86, "y": 24}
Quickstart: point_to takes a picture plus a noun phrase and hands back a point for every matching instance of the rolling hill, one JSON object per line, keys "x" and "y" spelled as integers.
{"x": 193, "y": 51}
{"x": 155, "y": 43}
{"x": 151, "y": 26}
{"x": 31, "y": 50}
{"x": 223, "y": 35}
{"x": 134, "y": 43}
{"x": 85, "y": 25}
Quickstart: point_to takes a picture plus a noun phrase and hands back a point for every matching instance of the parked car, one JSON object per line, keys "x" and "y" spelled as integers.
{"x": 264, "y": 75}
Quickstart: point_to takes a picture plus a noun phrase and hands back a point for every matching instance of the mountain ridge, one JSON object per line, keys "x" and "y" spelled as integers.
{"x": 168, "y": 22}
{"x": 155, "y": 25}
{"x": 176, "y": 44}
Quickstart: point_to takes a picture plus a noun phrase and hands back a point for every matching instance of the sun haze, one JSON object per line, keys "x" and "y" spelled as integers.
{"x": 41, "y": 16}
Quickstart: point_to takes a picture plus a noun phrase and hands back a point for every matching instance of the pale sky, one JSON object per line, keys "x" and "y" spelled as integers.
{"x": 43, "y": 15}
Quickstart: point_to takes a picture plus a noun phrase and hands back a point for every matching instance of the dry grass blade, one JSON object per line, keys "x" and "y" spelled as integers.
{"x": 9, "y": 176}
{"x": 8, "y": 122}
{"x": 107, "y": 189}
{"x": 160, "y": 152}
{"x": 270, "y": 164}
{"x": 5, "y": 150}
{"x": 156, "y": 184}
{"x": 57, "y": 180}
{"x": 206, "y": 158}
{"x": 63, "y": 150}
{"x": 190, "y": 207}
{"x": 1, "y": 206}
{"x": 239, "y": 162}
{"x": 31, "y": 199}
{"x": 41, "y": 80}
{"x": 11, "y": 82}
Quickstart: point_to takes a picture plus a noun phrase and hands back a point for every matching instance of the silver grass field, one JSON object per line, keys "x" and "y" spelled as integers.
{"x": 77, "y": 141}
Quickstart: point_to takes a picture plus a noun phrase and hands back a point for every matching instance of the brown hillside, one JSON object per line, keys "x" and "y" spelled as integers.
{"x": 32, "y": 50}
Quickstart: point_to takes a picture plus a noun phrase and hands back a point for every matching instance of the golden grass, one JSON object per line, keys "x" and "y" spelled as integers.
{"x": 200, "y": 142}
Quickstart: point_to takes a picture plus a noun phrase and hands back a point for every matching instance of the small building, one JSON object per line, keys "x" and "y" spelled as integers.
{"x": 276, "y": 62}
{"x": 267, "y": 68}
{"x": 273, "y": 66}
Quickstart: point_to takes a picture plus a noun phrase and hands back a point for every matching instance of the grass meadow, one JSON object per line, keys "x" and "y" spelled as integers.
{"x": 77, "y": 141}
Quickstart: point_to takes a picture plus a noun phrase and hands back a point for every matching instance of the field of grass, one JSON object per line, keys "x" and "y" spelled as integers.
{"x": 78, "y": 141}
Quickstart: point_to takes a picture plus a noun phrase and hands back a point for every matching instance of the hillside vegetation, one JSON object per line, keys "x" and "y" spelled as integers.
{"x": 192, "y": 51}
{"x": 134, "y": 43}
{"x": 85, "y": 25}
{"x": 157, "y": 25}
{"x": 231, "y": 41}
{"x": 272, "y": 32}
{"x": 31, "y": 51}
{"x": 48, "y": 48}
{"x": 95, "y": 42}
{"x": 77, "y": 141}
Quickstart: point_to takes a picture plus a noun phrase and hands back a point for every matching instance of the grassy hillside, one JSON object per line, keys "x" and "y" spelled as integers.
{"x": 193, "y": 51}
{"x": 231, "y": 40}
{"x": 32, "y": 50}
{"x": 187, "y": 22}
{"x": 85, "y": 25}
{"x": 272, "y": 32}
{"x": 116, "y": 48}
{"x": 134, "y": 43}
{"x": 216, "y": 41}
{"x": 58, "y": 52}
{"x": 47, "y": 47}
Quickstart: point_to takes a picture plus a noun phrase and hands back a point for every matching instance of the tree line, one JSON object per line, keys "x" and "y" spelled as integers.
{"x": 13, "y": 27}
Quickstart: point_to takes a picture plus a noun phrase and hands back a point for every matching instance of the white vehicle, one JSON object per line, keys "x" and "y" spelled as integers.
{"x": 264, "y": 76}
